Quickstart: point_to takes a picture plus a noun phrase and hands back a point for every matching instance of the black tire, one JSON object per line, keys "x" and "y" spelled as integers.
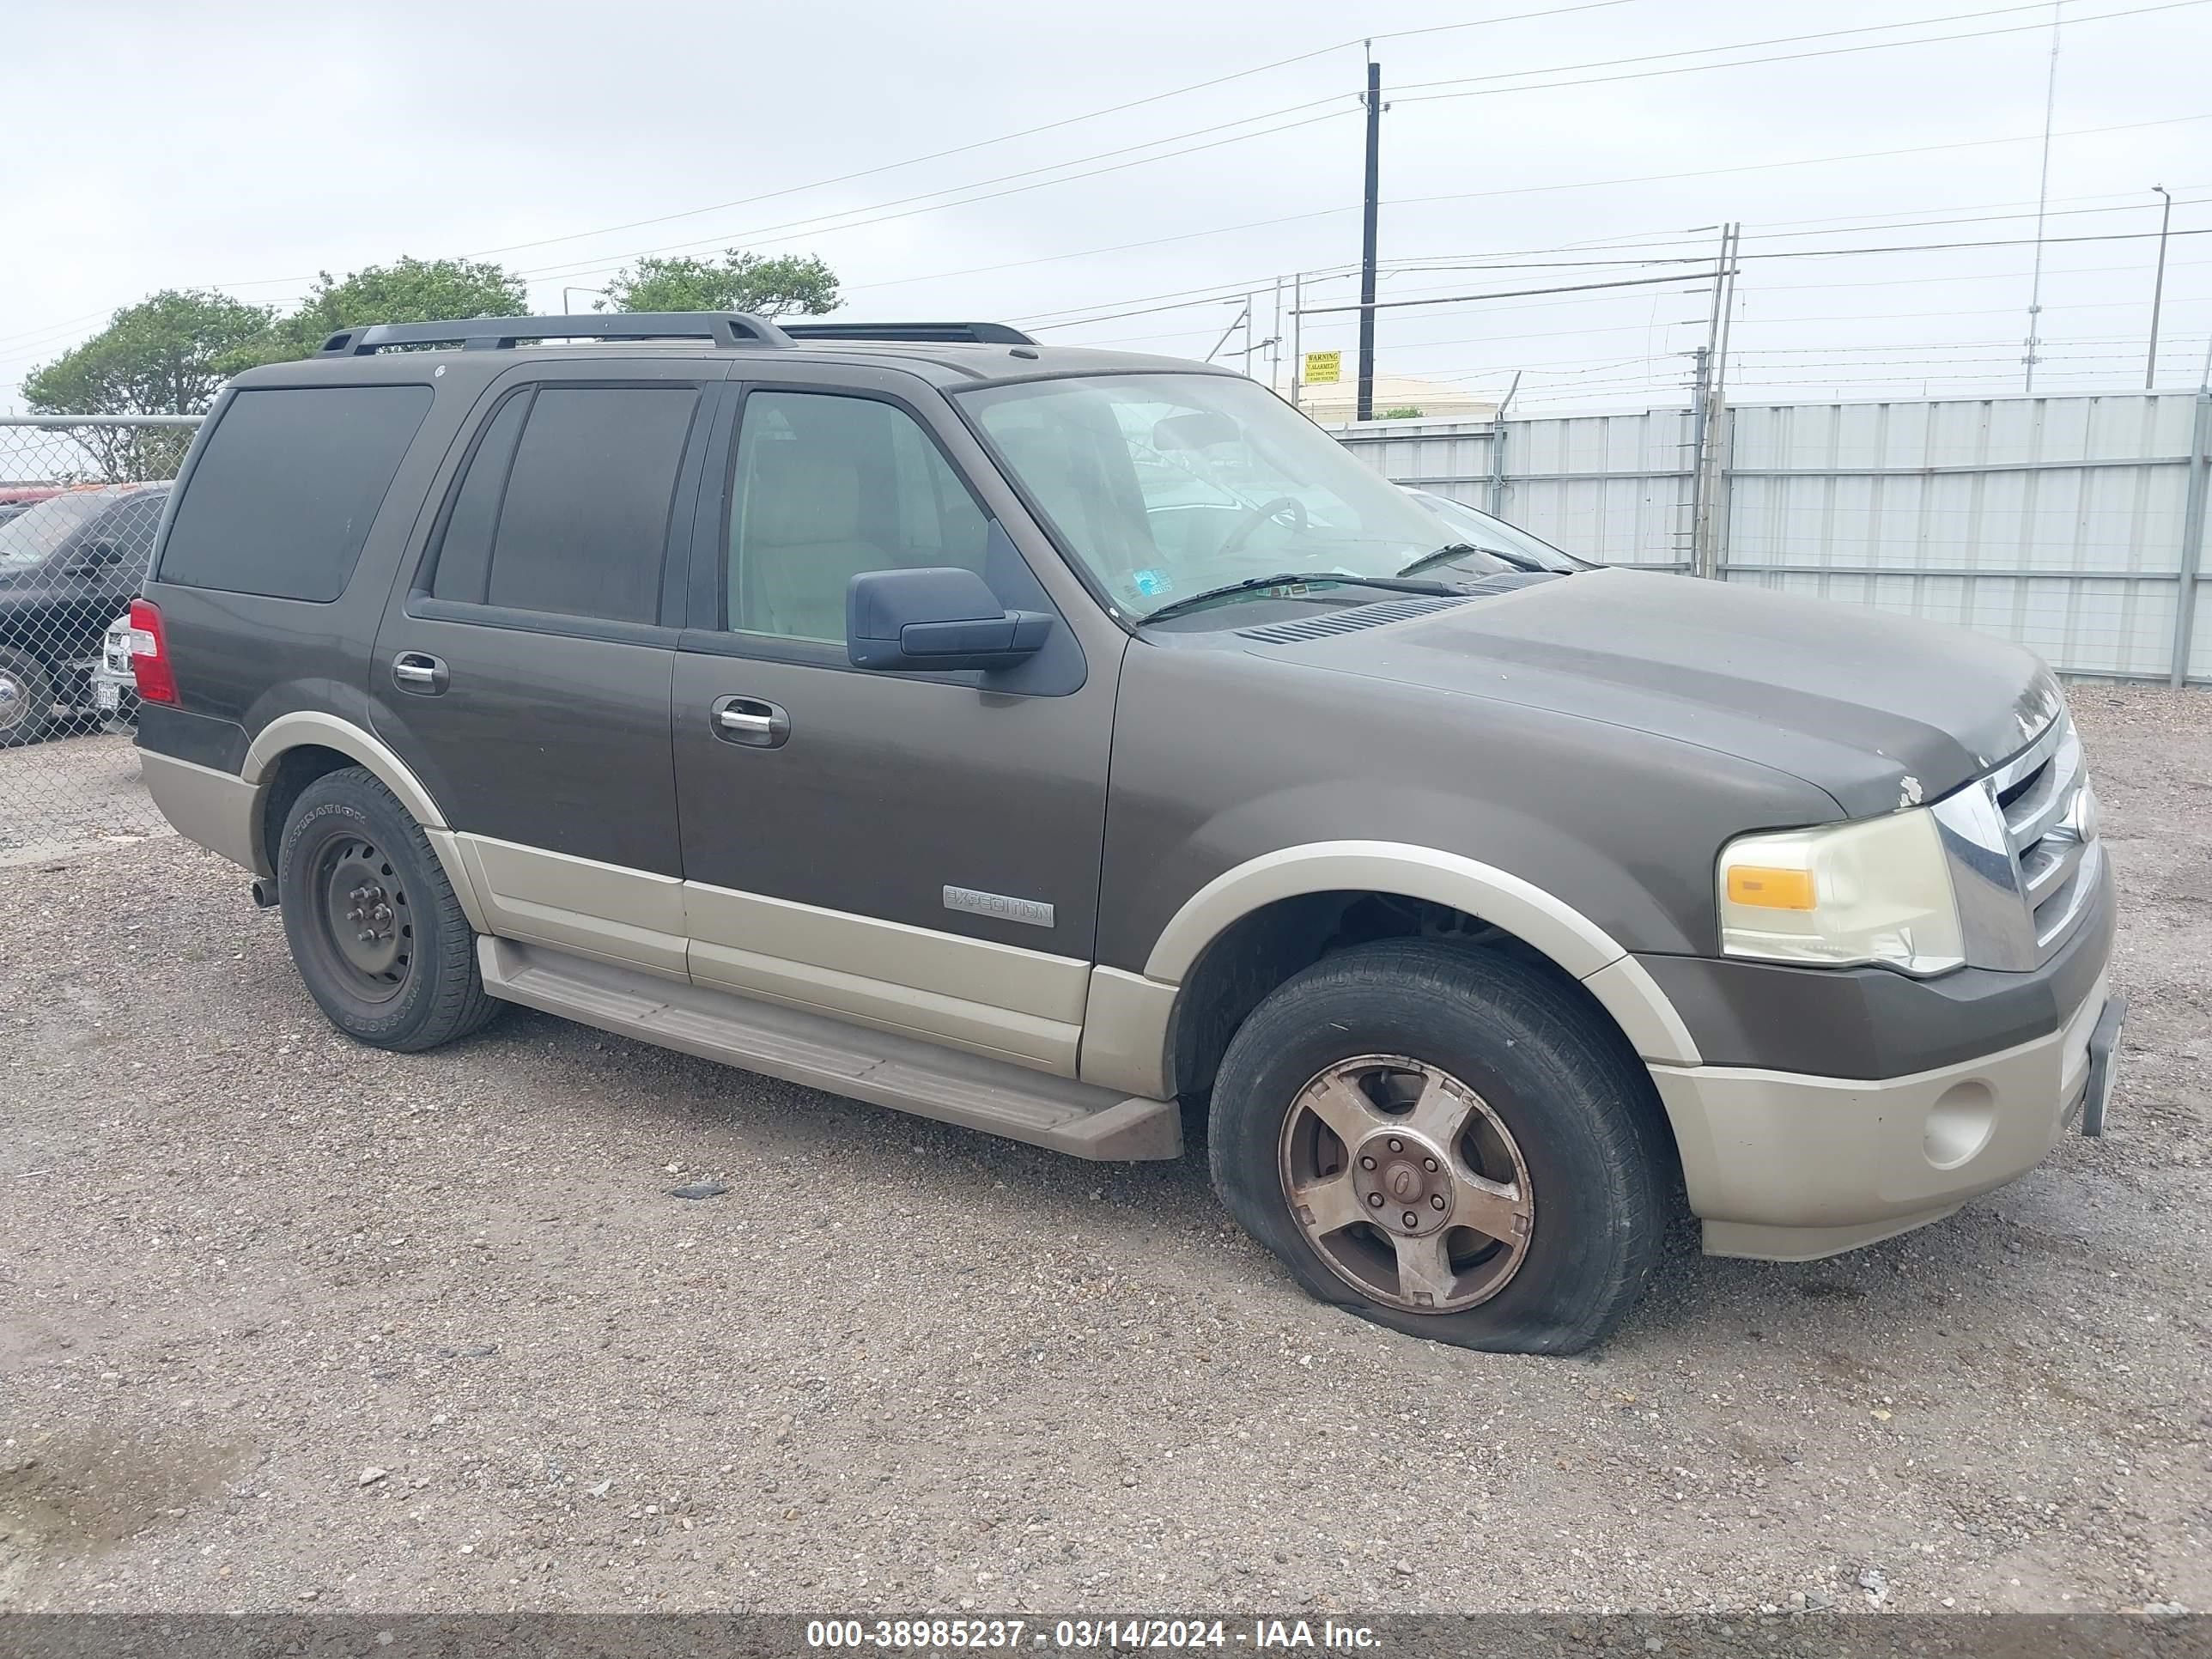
{"x": 26, "y": 698}
{"x": 347, "y": 825}
{"x": 1558, "y": 1095}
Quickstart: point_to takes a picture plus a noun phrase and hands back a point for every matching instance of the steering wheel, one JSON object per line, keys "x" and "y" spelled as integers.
{"x": 1283, "y": 509}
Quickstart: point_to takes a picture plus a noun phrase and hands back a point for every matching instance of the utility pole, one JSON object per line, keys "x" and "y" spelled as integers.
{"x": 1497, "y": 449}
{"x": 1363, "y": 408}
{"x": 1298, "y": 334}
{"x": 1240, "y": 321}
{"x": 1275, "y": 345}
{"x": 2158, "y": 288}
{"x": 1700, "y": 362}
{"x": 2042, "y": 199}
{"x": 1707, "y": 516}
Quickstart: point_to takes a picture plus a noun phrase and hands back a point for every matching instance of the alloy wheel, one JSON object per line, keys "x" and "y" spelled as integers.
{"x": 1407, "y": 1185}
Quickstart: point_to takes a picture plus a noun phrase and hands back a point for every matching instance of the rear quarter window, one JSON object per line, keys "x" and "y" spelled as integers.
{"x": 281, "y": 497}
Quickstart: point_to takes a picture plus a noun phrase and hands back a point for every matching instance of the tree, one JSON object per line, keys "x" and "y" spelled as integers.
{"x": 411, "y": 291}
{"x": 769, "y": 286}
{"x": 167, "y": 354}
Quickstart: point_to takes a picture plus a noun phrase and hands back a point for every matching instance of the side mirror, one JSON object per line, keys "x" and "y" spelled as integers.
{"x": 935, "y": 618}
{"x": 101, "y": 556}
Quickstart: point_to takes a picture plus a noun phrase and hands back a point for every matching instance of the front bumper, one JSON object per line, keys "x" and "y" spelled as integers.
{"x": 1786, "y": 1167}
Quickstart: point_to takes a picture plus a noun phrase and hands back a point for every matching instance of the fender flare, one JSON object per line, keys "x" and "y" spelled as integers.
{"x": 311, "y": 727}
{"x": 306, "y": 728}
{"x": 1548, "y": 924}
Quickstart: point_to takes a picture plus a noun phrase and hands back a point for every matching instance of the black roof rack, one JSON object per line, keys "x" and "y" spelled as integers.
{"x": 925, "y": 333}
{"x": 726, "y": 329}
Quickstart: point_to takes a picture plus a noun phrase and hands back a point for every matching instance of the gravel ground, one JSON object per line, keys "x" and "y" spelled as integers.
{"x": 78, "y": 789}
{"x": 288, "y": 1322}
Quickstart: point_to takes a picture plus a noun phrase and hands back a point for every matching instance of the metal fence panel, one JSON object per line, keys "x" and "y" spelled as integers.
{"x": 2058, "y": 522}
{"x": 80, "y": 502}
{"x": 1612, "y": 487}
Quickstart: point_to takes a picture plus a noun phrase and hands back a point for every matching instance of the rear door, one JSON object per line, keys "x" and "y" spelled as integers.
{"x": 917, "y": 852}
{"x": 523, "y": 669}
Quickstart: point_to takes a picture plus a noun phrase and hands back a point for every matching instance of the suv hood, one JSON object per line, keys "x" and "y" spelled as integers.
{"x": 1881, "y": 711}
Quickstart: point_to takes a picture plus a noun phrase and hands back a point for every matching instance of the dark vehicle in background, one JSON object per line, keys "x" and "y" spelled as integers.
{"x": 67, "y": 566}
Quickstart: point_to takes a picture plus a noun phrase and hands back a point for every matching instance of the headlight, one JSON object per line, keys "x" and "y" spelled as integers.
{"x": 1844, "y": 895}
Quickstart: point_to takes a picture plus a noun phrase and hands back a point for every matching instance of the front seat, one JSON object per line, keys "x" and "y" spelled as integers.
{"x": 801, "y": 546}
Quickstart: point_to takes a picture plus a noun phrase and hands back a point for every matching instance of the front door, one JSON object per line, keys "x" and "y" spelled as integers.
{"x": 917, "y": 852}
{"x": 523, "y": 671}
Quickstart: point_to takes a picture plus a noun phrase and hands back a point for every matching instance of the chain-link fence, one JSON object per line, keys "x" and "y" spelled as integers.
{"x": 80, "y": 501}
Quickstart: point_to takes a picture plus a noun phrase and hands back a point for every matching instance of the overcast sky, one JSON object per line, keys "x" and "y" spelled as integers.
{"x": 247, "y": 147}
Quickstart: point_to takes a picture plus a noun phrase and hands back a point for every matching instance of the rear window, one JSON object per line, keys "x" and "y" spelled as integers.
{"x": 281, "y": 500}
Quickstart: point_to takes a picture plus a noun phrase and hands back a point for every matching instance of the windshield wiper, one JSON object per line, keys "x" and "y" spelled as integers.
{"x": 1292, "y": 577}
{"x": 1451, "y": 550}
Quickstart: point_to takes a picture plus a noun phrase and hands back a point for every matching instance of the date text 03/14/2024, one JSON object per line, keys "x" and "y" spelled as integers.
{"x": 953, "y": 1634}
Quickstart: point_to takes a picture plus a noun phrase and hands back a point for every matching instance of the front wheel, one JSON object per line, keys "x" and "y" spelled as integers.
{"x": 375, "y": 929}
{"x": 1447, "y": 1142}
{"x": 27, "y": 699}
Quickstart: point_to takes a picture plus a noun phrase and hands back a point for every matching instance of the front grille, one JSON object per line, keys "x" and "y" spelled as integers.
{"x": 2055, "y": 847}
{"x": 2025, "y": 855}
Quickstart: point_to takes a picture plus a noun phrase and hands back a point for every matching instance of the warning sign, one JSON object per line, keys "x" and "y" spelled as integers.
{"x": 1324, "y": 367}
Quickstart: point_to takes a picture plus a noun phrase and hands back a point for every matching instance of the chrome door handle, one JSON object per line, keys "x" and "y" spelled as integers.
{"x": 752, "y": 721}
{"x": 419, "y": 672}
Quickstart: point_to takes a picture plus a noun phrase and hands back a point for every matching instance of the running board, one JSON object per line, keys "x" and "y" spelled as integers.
{"x": 905, "y": 1073}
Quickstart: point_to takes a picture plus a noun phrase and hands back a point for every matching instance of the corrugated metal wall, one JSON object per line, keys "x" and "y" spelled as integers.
{"x": 2058, "y": 522}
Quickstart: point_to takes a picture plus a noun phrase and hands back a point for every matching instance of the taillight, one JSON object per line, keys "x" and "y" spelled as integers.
{"x": 149, "y": 655}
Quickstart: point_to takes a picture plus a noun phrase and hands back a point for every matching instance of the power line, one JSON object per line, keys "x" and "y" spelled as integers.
{"x": 744, "y": 236}
{"x": 1783, "y": 57}
{"x": 1050, "y": 126}
{"x": 1514, "y": 294}
{"x": 1437, "y": 299}
{"x": 1231, "y": 294}
{"x": 57, "y": 329}
{"x": 1809, "y": 161}
{"x": 1936, "y": 247}
{"x": 1438, "y": 262}
{"x": 766, "y": 233}
{"x": 1738, "y": 46}
{"x": 818, "y": 226}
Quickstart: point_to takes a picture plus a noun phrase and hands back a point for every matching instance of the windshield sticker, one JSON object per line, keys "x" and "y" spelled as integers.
{"x": 1153, "y": 583}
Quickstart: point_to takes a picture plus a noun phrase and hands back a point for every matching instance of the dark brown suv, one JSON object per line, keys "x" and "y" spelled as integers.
{"x": 1055, "y": 741}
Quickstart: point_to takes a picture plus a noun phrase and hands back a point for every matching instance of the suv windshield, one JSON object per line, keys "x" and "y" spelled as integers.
{"x": 29, "y": 537}
{"x": 1167, "y": 485}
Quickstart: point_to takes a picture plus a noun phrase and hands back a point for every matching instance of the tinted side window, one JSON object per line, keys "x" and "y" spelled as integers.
{"x": 826, "y": 487}
{"x": 281, "y": 498}
{"x": 463, "y": 567}
{"x": 583, "y": 529}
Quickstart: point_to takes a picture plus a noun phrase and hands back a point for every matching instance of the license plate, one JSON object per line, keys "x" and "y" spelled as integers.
{"x": 109, "y": 698}
{"x": 2103, "y": 1065}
